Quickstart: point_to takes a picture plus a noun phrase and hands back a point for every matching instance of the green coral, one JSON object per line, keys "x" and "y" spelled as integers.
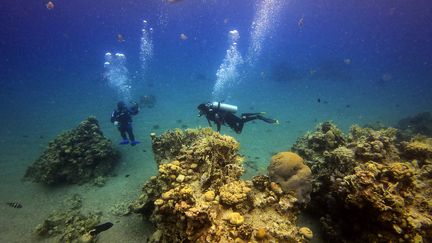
{"x": 76, "y": 156}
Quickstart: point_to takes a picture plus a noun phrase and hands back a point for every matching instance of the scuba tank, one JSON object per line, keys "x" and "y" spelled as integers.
{"x": 223, "y": 107}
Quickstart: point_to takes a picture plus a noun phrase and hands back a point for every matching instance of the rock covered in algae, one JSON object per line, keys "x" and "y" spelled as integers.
{"x": 76, "y": 156}
{"x": 372, "y": 188}
{"x": 288, "y": 170}
{"x": 420, "y": 123}
{"x": 212, "y": 203}
{"x": 69, "y": 224}
{"x": 418, "y": 147}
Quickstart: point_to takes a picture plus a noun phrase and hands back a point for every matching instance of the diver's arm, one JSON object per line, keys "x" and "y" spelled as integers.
{"x": 218, "y": 126}
{"x": 208, "y": 120}
{"x": 113, "y": 116}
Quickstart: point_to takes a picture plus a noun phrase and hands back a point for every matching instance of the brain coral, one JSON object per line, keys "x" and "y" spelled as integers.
{"x": 289, "y": 170}
{"x": 234, "y": 192}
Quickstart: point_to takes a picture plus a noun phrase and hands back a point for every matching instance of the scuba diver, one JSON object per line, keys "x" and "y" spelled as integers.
{"x": 122, "y": 119}
{"x": 223, "y": 114}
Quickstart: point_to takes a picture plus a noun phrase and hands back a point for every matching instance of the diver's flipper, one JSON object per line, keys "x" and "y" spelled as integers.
{"x": 133, "y": 143}
{"x": 124, "y": 142}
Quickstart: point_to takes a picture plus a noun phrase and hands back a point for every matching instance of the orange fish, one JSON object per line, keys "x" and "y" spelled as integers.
{"x": 50, "y": 5}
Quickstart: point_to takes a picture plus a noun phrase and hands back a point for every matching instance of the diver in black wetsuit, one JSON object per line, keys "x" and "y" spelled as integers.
{"x": 223, "y": 114}
{"x": 122, "y": 119}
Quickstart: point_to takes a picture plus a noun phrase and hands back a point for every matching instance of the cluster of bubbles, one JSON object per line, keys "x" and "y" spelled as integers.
{"x": 227, "y": 73}
{"x": 117, "y": 74}
{"x": 146, "y": 47}
{"x": 265, "y": 17}
{"x": 116, "y": 71}
{"x": 264, "y": 21}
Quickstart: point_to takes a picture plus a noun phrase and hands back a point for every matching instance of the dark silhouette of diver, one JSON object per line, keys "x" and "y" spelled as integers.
{"x": 223, "y": 114}
{"x": 122, "y": 119}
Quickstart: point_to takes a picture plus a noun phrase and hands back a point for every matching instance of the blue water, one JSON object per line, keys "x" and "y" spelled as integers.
{"x": 353, "y": 62}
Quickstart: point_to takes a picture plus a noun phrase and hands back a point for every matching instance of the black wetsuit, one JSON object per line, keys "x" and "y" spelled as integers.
{"x": 221, "y": 117}
{"x": 124, "y": 118}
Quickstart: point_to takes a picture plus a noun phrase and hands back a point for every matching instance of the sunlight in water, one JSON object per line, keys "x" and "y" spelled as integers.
{"x": 265, "y": 18}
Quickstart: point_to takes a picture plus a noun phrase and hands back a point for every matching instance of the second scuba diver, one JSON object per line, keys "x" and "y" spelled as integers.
{"x": 223, "y": 114}
{"x": 122, "y": 119}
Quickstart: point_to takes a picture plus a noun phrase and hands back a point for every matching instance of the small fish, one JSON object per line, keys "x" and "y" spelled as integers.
{"x": 127, "y": 175}
{"x": 100, "y": 228}
{"x": 183, "y": 37}
{"x": 300, "y": 23}
{"x": 120, "y": 38}
{"x": 50, "y": 5}
{"x": 319, "y": 100}
{"x": 14, "y": 204}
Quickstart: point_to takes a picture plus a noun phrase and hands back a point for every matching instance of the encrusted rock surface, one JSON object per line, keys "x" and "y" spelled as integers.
{"x": 368, "y": 186}
{"x": 75, "y": 157}
{"x": 69, "y": 224}
{"x": 211, "y": 203}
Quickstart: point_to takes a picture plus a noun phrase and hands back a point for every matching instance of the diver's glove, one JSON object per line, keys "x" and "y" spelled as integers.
{"x": 117, "y": 124}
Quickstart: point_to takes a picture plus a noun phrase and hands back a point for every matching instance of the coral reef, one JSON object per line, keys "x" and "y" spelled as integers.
{"x": 198, "y": 195}
{"x": 418, "y": 124}
{"x": 370, "y": 187}
{"x": 69, "y": 225}
{"x": 289, "y": 171}
{"x": 419, "y": 148}
{"x": 75, "y": 157}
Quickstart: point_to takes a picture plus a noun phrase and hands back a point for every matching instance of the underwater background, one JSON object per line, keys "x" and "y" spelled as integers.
{"x": 301, "y": 62}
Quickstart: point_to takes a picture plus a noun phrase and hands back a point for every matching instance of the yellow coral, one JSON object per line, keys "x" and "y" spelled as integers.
{"x": 261, "y": 233}
{"x": 234, "y": 192}
{"x": 236, "y": 219}
{"x": 306, "y": 232}
{"x": 158, "y": 202}
{"x": 209, "y": 196}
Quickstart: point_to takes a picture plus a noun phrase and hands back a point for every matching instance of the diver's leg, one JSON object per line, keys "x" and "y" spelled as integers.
{"x": 131, "y": 136}
{"x": 252, "y": 114}
{"x": 245, "y": 117}
{"x": 122, "y": 130}
{"x": 268, "y": 120}
{"x": 129, "y": 131}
